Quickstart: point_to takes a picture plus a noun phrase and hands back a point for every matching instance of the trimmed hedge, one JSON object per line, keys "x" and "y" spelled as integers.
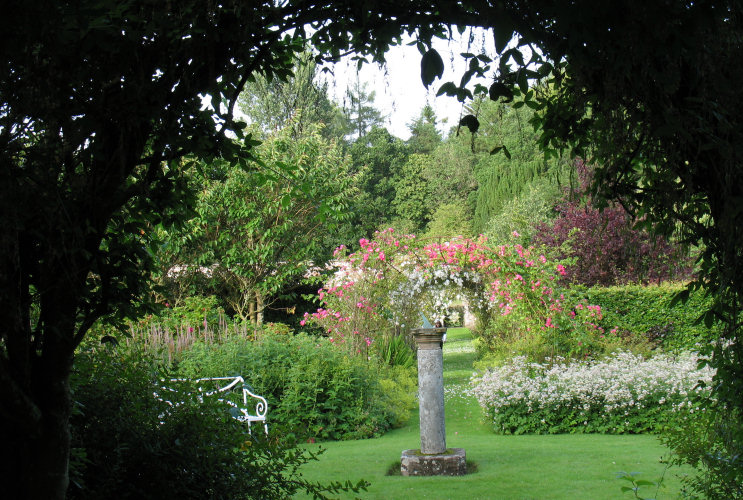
{"x": 645, "y": 310}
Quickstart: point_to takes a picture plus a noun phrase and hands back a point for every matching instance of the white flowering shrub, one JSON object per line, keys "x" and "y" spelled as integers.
{"x": 623, "y": 393}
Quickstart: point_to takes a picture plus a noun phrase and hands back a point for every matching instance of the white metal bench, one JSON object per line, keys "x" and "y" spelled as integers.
{"x": 228, "y": 384}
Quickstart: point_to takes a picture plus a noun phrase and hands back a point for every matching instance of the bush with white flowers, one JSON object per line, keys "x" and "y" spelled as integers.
{"x": 623, "y": 393}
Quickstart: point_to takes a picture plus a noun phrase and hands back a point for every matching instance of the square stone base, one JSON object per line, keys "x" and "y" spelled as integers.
{"x": 451, "y": 463}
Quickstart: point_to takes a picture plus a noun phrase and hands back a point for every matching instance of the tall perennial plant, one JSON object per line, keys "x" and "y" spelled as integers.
{"x": 623, "y": 393}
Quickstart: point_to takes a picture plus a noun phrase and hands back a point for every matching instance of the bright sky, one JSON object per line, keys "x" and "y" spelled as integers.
{"x": 399, "y": 92}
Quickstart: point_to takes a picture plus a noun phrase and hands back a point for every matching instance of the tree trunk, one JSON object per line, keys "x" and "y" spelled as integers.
{"x": 252, "y": 313}
{"x": 37, "y": 460}
{"x": 259, "y": 305}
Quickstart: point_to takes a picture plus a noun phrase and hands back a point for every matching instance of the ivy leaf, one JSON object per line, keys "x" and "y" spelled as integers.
{"x": 432, "y": 67}
{"x": 471, "y": 122}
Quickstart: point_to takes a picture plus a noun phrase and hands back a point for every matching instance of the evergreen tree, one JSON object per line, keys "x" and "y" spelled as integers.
{"x": 377, "y": 157}
{"x": 361, "y": 112}
{"x": 501, "y": 178}
{"x": 300, "y": 100}
{"x": 424, "y": 137}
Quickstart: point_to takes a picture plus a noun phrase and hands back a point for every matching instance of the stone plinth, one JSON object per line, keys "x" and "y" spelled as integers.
{"x": 453, "y": 462}
{"x": 431, "y": 389}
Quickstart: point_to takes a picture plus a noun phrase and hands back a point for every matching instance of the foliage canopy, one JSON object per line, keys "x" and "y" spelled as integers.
{"x": 101, "y": 101}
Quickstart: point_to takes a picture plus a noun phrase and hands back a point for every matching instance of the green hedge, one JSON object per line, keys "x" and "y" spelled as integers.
{"x": 312, "y": 387}
{"x": 646, "y": 311}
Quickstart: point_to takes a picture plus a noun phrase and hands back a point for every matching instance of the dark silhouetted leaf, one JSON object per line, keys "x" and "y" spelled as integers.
{"x": 471, "y": 122}
{"x": 499, "y": 89}
{"x": 432, "y": 67}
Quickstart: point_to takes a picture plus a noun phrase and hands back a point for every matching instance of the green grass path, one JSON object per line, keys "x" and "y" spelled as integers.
{"x": 509, "y": 467}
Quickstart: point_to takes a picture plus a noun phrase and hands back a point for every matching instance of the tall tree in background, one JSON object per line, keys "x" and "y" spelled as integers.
{"x": 377, "y": 157}
{"x": 360, "y": 109}
{"x": 424, "y": 137}
{"x": 412, "y": 203}
{"x": 501, "y": 178}
{"x": 296, "y": 102}
{"x": 450, "y": 174}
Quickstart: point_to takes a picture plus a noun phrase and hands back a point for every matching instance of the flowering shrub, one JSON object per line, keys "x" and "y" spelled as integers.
{"x": 512, "y": 289}
{"x": 620, "y": 394}
{"x": 607, "y": 248}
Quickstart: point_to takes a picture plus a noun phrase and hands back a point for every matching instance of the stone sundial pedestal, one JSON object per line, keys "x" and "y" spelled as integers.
{"x": 433, "y": 458}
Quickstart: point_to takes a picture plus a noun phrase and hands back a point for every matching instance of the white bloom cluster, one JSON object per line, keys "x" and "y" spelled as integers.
{"x": 618, "y": 385}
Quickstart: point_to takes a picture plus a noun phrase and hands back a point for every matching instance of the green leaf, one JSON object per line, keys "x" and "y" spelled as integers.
{"x": 471, "y": 122}
{"x": 681, "y": 297}
{"x": 286, "y": 200}
{"x": 523, "y": 81}
{"x": 432, "y": 67}
{"x": 449, "y": 88}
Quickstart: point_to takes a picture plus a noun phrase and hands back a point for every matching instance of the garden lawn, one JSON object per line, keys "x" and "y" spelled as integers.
{"x": 508, "y": 467}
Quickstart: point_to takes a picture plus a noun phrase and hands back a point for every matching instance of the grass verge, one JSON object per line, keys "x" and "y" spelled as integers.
{"x": 508, "y": 467}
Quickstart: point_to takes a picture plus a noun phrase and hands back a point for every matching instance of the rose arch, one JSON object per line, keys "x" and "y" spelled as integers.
{"x": 378, "y": 292}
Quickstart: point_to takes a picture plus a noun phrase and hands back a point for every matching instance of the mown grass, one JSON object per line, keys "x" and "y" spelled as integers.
{"x": 571, "y": 466}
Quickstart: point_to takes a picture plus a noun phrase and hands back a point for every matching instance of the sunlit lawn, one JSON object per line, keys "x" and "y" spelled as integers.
{"x": 508, "y": 467}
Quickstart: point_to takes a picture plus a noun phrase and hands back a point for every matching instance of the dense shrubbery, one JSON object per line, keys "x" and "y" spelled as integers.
{"x": 645, "y": 311}
{"x": 621, "y": 394}
{"x": 130, "y": 443}
{"x": 632, "y": 317}
{"x": 313, "y": 387}
{"x": 708, "y": 438}
{"x": 604, "y": 243}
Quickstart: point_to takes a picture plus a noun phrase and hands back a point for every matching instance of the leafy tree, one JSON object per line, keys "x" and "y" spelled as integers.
{"x": 257, "y": 234}
{"x": 377, "y": 157}
{"x": 450, "y": 174}
{"x": 526, "y": 214}
{"x": 502, "y": 178}
{"x": 412, "y": 199}
{"x": 298, "y": 101}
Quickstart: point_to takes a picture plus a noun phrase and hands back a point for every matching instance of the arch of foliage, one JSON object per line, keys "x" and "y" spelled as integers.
{"x": 100, "y": 102}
